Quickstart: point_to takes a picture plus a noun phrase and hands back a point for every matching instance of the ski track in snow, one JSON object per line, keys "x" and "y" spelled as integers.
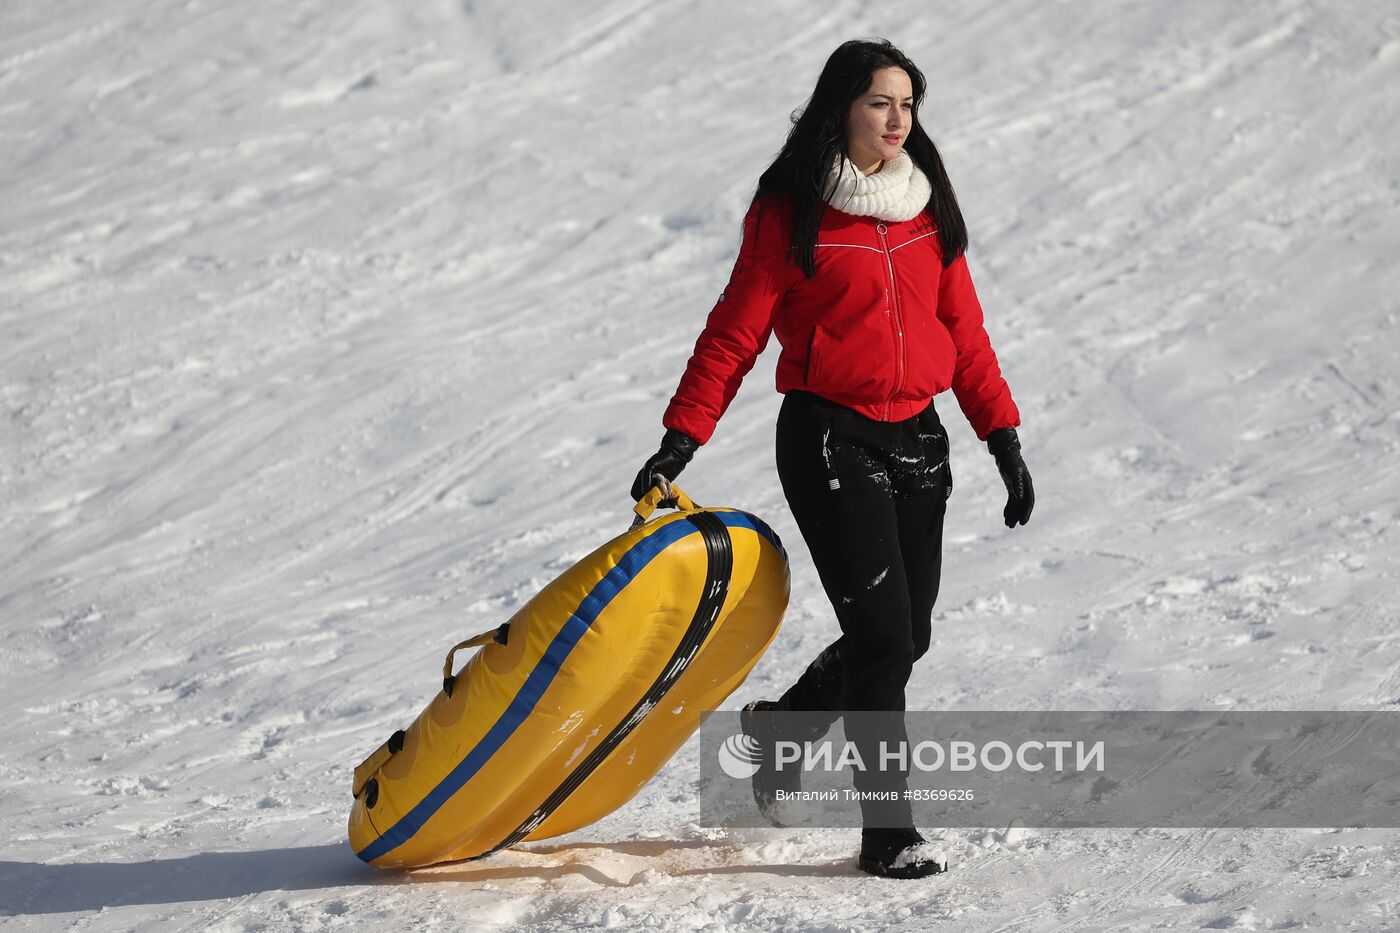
{"x": 333, "y": 332}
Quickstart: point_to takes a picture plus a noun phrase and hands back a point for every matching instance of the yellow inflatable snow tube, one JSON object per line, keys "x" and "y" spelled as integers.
{"x": 577, "y": 701}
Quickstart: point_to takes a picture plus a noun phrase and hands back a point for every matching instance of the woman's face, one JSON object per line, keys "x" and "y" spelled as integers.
{"x": 879, "y": 120}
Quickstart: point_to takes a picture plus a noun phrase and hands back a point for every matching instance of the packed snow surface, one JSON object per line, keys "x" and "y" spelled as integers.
{"x": 332, "y": 331}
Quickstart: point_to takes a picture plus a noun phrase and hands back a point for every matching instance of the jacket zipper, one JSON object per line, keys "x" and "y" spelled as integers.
{"x": 897, "y": 323}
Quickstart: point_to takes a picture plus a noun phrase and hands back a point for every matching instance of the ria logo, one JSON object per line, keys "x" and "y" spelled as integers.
{"x": 739, "y": 756}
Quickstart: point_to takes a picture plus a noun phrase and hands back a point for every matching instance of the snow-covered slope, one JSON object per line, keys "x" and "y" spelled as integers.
{"x": 330, "y": 332}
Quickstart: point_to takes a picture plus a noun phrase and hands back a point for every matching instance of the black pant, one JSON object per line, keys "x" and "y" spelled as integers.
{"x": 869, "y": 498}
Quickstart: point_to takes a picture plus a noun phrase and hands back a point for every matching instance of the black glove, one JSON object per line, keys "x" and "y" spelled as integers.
{"x": 676, "y": 450}
{"x": 1020, "y": 494}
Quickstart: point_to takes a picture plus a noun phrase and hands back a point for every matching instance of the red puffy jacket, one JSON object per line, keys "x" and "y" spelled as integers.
{"x": 881, "y": 328}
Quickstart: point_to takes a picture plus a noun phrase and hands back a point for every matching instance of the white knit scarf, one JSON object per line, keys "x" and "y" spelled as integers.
{"x": 898, "y": 191}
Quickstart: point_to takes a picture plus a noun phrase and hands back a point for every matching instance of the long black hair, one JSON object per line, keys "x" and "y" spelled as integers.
{"x": 818, "y": 135}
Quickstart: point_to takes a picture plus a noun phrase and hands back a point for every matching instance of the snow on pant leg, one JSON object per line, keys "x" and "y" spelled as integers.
{"x": 852, "y": 533}
{"x": 921, "y": 483}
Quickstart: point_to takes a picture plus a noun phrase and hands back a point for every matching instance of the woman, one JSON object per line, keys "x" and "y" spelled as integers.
{"x": 853, "y": 255}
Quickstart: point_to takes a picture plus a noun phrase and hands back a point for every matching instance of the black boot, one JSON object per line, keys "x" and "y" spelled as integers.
{"x": 768, "y": 780}
{"x": 890, "y": 846}
{"x": 899, "y": 853}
